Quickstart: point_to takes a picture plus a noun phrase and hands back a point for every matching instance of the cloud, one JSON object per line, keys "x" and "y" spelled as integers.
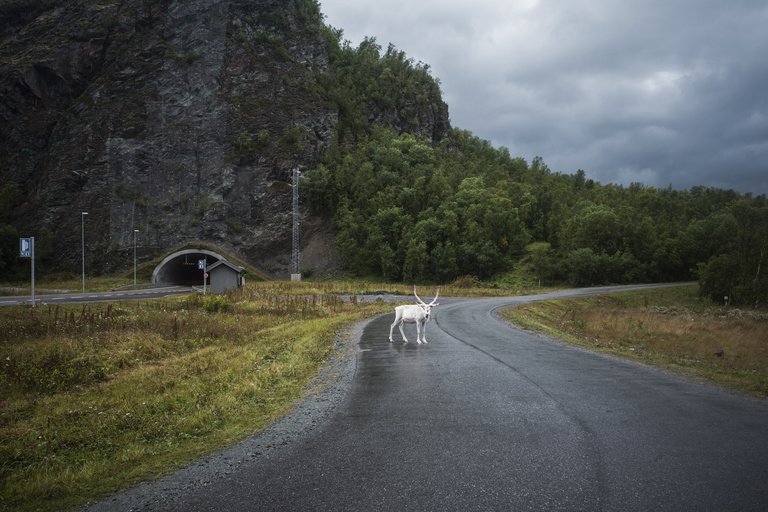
{"x": 656, "y": 92}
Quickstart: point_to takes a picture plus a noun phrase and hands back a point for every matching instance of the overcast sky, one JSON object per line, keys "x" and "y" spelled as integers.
{"x": 656, "y": 91}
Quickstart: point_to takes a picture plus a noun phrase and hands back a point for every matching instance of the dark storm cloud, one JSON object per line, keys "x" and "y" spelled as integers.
{"x": 660, "y": 92}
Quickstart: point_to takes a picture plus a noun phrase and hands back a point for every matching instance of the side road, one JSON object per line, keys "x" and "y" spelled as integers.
{"x": 114, "y": 295}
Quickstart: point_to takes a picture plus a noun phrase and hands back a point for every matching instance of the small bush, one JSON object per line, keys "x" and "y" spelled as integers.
{"x": 467, "y": 281}
{"x": 216, "y": 304}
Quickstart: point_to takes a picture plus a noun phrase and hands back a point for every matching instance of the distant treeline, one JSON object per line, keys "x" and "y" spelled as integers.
{"x": 406, "y": 209}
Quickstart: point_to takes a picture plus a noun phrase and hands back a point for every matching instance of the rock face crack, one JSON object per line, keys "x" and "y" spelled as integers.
{"x": 184, "y": 120}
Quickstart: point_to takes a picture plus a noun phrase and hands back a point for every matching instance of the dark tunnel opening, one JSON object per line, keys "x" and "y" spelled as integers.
{"x": 183, "y": 268}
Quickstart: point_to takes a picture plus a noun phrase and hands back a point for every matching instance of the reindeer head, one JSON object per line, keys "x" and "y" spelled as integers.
{"x": 427, "y": 307}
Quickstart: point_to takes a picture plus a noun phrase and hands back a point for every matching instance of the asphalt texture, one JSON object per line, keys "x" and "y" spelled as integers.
{"x": 112, "y": 296}
{"x": 485, "y": 417}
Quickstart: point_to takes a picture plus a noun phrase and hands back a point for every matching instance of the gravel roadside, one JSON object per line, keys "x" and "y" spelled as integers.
{"x": 321, "y": 397}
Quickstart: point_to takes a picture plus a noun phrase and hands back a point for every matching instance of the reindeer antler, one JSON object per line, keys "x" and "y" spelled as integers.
{"x": 434, "y": 301}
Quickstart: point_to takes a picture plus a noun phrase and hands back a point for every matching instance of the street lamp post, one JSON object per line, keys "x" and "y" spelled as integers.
{"x": 82, "y": 217}
{"x": 135, "y": 231}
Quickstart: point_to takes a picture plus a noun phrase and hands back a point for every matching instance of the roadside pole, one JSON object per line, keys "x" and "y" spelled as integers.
{"x": 203, "y": 265}
{"x": 34, "y": 304}
{"x": 27, "y": 246}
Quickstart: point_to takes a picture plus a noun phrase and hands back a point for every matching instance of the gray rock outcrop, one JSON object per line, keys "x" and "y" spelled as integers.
{"x": 181, "y": 119}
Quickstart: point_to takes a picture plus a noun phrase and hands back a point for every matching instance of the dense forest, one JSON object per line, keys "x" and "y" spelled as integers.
{"x": 408, "y": 209}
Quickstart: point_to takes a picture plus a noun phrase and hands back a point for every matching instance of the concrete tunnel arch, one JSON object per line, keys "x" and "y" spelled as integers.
{"x": 181, "y": 267}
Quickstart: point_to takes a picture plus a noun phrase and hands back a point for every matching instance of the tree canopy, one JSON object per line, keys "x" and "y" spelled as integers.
{"x": 407, "y": 208}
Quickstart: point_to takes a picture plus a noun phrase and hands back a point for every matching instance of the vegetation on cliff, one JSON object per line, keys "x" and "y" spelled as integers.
{"x": 183, "y": 120}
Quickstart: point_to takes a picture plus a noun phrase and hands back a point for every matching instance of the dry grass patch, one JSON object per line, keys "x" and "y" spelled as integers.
{"x": 95, "y": 398}
{"x": 465, "y": 286}
{"x": 670, "y": 327}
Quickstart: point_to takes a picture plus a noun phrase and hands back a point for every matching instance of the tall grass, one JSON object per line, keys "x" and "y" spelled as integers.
{"x": 96, "y": 397}
{"x": 670, "y": 327}
{"x": 465, "y": 286}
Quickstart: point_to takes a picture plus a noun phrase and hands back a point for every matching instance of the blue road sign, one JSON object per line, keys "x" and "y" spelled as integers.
{"x": 24, "y": 242}
{"x": 201, "y": 264}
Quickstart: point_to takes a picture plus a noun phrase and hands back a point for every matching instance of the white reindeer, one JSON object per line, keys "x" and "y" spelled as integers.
{"x": 414, "y": 314}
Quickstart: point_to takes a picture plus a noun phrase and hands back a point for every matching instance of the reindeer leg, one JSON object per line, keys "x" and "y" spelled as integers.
{"x": 398, "y": 319}
{"x": 405, "y": 340}
{"x": 424, "y": 333}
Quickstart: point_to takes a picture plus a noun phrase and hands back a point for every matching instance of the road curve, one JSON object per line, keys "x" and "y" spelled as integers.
{"x": 489, "y": 417}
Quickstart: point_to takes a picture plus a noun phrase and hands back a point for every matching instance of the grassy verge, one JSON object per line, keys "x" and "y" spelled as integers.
{"x": 462, "y": 287}
{"x": 668, "y": 327}
{"x": 96, "y": 397}
{"x": 459, "y": 288}
{"x": 55, "y": 284}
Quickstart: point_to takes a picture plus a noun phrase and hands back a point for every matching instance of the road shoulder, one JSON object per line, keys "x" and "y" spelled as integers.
{"x": 316, "y": 405}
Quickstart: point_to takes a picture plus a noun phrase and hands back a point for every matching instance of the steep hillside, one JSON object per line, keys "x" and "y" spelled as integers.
{"x": 180, "y": 119}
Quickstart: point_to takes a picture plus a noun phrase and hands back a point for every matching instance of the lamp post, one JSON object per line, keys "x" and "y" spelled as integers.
{"x": 135, "y": 231}
{"x": 82, "y": 217}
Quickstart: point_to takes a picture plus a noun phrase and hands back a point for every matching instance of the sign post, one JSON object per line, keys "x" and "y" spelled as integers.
{"x": 203, "y": 265}
{"x": 27, "y": 246}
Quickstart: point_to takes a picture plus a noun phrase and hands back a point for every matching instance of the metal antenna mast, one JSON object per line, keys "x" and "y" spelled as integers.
{"x": 295, "y": 263}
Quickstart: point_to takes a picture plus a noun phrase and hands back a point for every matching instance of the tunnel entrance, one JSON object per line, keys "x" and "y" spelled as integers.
{"x": 182, "y": 267}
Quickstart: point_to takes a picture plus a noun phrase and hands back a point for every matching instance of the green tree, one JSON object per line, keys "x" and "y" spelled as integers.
{"x": 545, "y": 262}
{"x": 444, "y": 266}
{"x": 583, "y": 267}
{"x": 416, "y": 262}
{"x": 594, "y": 227}
{"x": 718, "y": 277}
{"x": 714, "y": 235}
{"x": 739, "y": 272}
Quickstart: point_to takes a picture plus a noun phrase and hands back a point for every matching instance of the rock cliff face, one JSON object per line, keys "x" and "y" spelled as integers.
{"x": 182, "y": 119}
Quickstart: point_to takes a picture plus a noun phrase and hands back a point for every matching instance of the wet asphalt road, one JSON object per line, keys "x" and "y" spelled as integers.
{"x": 487, "y": 417}
{"x": 112, "y": 296}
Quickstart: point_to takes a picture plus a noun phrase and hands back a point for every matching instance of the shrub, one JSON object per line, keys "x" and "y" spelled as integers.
{"x": 467, "y": 281}
{"x": 216, "y": 304}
